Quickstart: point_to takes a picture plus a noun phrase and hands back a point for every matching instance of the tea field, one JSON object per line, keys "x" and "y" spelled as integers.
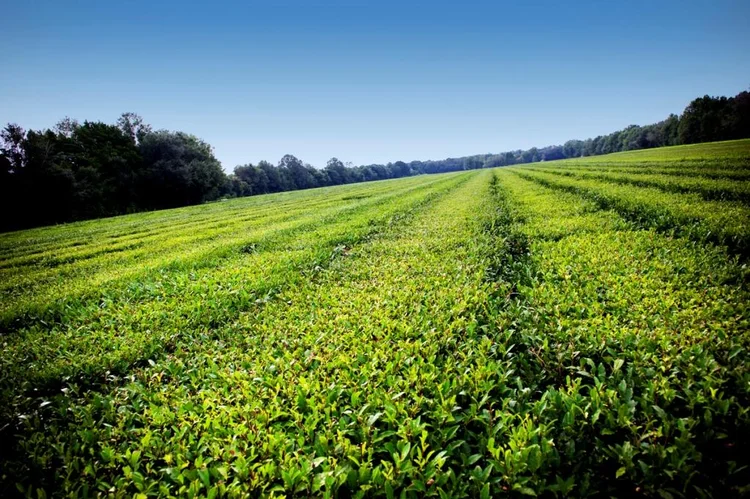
{"x": 571, "y": 328}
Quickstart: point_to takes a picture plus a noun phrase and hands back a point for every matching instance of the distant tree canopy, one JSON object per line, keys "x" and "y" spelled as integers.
{"x": 80, "y": 171}
{"x": 705, "y": 119}
{"x": 178, "y": 170}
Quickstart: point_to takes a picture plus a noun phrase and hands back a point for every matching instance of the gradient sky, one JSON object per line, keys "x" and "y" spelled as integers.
{"x": 369, "y": 82}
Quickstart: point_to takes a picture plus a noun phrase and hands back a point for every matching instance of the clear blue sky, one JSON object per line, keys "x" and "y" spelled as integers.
{"x": 369, "y": 82}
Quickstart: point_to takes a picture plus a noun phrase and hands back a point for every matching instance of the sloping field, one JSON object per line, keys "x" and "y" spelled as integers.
{"x": 567, "y": 328}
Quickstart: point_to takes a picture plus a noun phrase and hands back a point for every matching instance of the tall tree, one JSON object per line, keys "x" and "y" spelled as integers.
{"x": 337, "y": 172}
{"x": 107, "y": 166}
{"x": 299, "y": 176}
{"x": 133, "y": 126}
{"x": 179, "y": 169}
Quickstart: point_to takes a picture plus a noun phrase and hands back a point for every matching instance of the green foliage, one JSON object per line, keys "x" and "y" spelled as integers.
{"x": 701, "y": 180}
{"x": 563, "y": 329}
{"x": 676, "y": 207}
{"x": 180, "y": 170}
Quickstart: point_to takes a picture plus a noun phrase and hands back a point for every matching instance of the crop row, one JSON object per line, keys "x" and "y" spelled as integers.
{"x": 505, "y": 337}
{"x": 149, "y": 317}
{"x": 183, "y": 244}
{"x": 114, "y": 278}
{"x": 534, "y": 330}
{"x": 84, "y": 232}
{"x": 633, "y": 347}
{"x": 721, "y": 222}
{"x": 709, "y": 189}
{"x": 80, "y": 241}
{"x": 698, "y": 171}
{"x": 317, "y": 391}
{"x": 69, "y": 236}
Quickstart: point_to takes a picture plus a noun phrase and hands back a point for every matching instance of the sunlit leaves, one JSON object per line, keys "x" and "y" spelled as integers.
{"x": 470, "y": 335}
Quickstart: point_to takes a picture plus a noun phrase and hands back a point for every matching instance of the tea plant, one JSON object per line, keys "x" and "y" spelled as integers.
{"x": 572, "y": 328}
{"x": 721, "y": 222}
{"x": 709, "y": 188}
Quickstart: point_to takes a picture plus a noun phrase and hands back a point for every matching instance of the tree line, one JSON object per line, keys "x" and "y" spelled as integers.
{"x": 80, "y": 171}
{"x": 705, "y": 119}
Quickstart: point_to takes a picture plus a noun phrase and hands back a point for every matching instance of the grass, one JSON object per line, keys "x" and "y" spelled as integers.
{"x": 568, "y": 328}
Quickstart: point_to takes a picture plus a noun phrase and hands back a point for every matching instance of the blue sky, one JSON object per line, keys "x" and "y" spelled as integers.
{"x": 369, "y": 82}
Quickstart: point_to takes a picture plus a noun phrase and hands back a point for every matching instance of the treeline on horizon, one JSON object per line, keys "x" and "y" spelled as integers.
{"x": 81, "y": 171}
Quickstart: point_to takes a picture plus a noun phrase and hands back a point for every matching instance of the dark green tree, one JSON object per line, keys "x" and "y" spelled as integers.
{"x": 179, "y": 169}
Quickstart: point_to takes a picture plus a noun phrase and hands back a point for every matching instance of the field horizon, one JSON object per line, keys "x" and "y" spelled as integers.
{"x": 738, "y": 150}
